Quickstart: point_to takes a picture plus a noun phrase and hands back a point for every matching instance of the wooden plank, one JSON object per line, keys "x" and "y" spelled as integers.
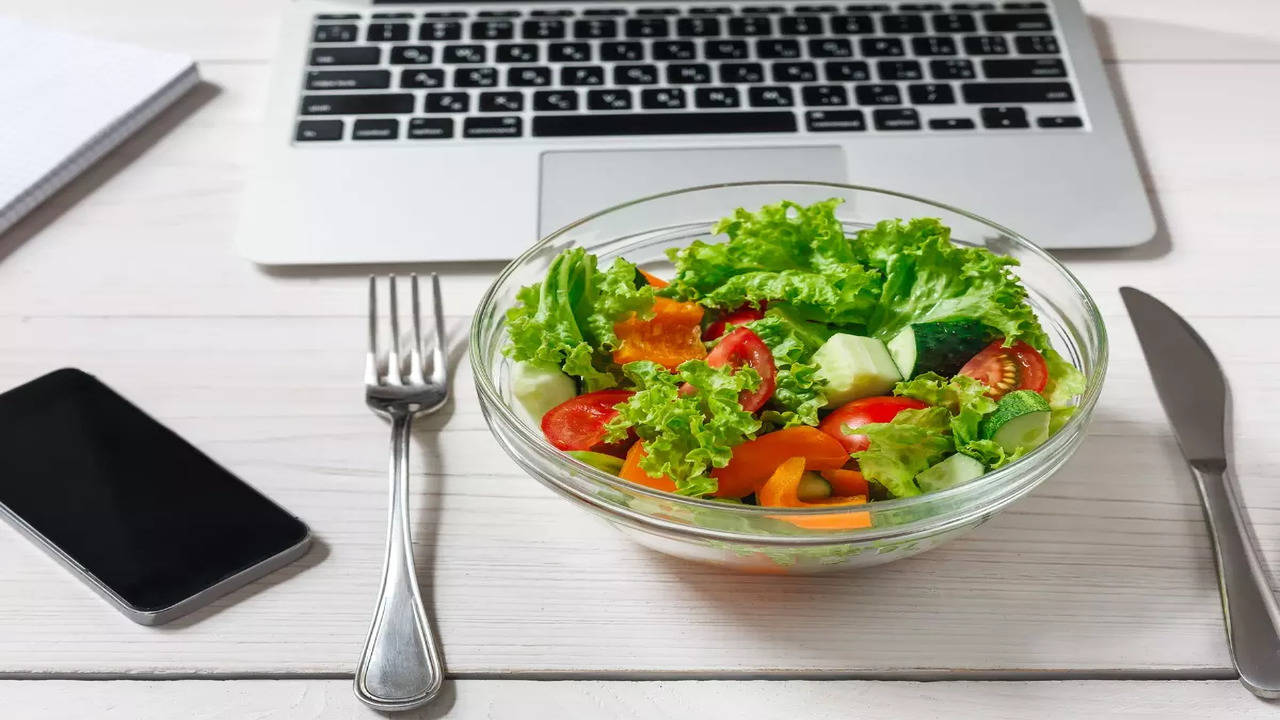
{"x": 530, "y": 700}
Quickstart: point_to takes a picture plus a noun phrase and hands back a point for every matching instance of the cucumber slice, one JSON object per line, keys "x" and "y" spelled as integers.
{"x": 854, "y": 367}
{"x": 958, "y": 468}
{"x": 813, "y": 487}
{"x": 600, "y": 461}
{"x": 539, "y": 389}
{"x": 942, "y": 347}
{"x": 1020, "y": 420}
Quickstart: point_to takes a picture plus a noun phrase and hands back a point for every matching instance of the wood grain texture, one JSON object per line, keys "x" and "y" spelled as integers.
{"x": 129, "y": 273}
{"x": 526, "y": 700}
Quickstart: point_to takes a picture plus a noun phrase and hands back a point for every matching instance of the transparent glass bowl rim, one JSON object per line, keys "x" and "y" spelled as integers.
{"x": 1005, "y": 476}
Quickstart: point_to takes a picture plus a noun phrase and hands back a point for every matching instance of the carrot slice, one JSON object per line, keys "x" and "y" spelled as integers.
{"x": 755, "y": 460}
{"x": 782, "y": 490}
{"x": 846, "y": 482}
{"x": 632, "y": 471}
{"x": 654, "y": 280}
{"x": 671, "y": 336}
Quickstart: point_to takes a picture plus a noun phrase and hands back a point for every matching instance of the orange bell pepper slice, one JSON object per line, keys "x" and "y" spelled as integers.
{"x": 755, "y": 460}
{"x": 671, "y": 336}
{"x": 653, "y": 280}
{"x": 846, "y": 482}
{"x": 632, "y": 471}
{"x": 782, "y": 490}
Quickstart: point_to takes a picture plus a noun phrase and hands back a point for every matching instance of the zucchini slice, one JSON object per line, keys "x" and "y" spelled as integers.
{"x": 1020, "y": 420}
{"x": 958, "y": 468}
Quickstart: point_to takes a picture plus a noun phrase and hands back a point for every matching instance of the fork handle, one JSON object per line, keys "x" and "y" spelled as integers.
{"x": 400, "y": 668}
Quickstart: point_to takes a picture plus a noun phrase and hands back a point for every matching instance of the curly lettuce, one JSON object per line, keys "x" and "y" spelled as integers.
{"x": 566, "y": 321}
{"x": 685, "y": 434}
{"x": 903, "y": 447}
{"x": 792, "y": 340}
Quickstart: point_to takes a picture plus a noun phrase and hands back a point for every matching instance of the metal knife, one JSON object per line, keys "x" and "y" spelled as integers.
{"x": 1194, "y": 394}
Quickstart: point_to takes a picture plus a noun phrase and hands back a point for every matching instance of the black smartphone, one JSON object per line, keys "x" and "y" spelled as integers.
{"x": 149, "y": 522}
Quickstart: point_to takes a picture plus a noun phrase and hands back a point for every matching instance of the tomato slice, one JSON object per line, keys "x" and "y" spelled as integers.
{"x": 864, "y": 411}
{"x": 1005, "y": 369}
{"x": 579, "y": 422}
{"x": 741, "y": 316}
{"x": 743, "y": 347}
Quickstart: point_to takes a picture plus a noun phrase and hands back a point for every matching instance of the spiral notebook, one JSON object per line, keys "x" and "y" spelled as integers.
{"x": 67, "y": 101}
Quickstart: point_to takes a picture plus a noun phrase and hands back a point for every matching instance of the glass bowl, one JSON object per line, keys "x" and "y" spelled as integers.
{"x": 770, "y": 539}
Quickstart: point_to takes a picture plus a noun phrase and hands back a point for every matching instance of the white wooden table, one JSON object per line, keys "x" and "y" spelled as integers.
{"x": 1094, "y": 597}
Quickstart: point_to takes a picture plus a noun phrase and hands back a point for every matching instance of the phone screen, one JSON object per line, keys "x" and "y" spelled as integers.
{"x": 137, "y": 507}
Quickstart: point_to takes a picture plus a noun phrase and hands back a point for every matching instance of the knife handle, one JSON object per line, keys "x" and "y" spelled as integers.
{"x": 1248, "y": 605}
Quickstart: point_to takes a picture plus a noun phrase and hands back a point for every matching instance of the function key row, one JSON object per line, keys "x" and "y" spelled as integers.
{"x": 701, "y": 10}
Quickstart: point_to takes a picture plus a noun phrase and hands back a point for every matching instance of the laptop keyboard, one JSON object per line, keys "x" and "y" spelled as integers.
{"x": 900, "y": 68}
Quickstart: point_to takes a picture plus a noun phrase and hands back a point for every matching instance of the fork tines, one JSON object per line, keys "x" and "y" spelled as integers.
{"x": 389, "y": 369}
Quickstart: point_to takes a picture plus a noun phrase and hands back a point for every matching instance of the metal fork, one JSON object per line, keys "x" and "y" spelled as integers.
{"x": 401, "y": 667}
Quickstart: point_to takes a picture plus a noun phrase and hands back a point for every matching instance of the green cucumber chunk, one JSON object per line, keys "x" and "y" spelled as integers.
{"x": 941, "y": 347}
{"x": 540, "y": 389}
{"x": 958, "y": 468}
{"x": 599, "y": 461}
{"x": 1020, "y": 420}
{"x": 813, "y": 487}
{"x": 854, "y": 367}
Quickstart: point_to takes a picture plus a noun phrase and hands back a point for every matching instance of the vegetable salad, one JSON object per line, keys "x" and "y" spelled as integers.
{"x": 786, "y": 363}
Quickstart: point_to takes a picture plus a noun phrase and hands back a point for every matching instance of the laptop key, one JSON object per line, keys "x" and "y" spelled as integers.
{"x": 635, "y": 75}
{"x": 830, "y": 48}
{"x": 447, "y": 102}
{"x": 835, "y": 121}
{"x": 529, "y": 76}
{"x": 871, "y": 94}
{"x": 715, "y": 10}
{"x": 569, "y": 52}
{"x": 852, "y": 24}
{"x": 553, "y": 100}
{"x": 856, "y": 71}
{"x": 791, "y": 72}
{"x": 604, "y": 12}
{"x": 440, "y": 30}
{"x": 899, "y": 24}
{"x": 498, "y": 14}
{"x": 492, "y": 127}
{"x": 800, "y": 25}
{"x": 421, "y": 78}
{"x": 674, "y": 50}
{"x": 813, "y": 9}
{"x": 931, "y": 94}
{"x": 626, "y": 51}
{"x": 1017, "y": 92}
{"x": 411, "y": 54}
{"x": 430, "y": 128}
{"x": 475, "y": 77}
{"x": 651, "y": 123}
{"x": 824, "y": 95}
{"x": 379, "y": 129}
{"x": 551, "y": 13}
{"x": 933, "y": 45}
{"x": 1033, "y": 68}
{"x": 372, "y": 104}
{"x": 502, "y": 101}
{"x": 334, "y": 33}
{"x": 881, "y": 47}
{"x": 493, "y": 30}
{"x": 657, "y": 11}
{"x": 662, "y": 98}
{"x": 731, "y": 73}
{"x": 517, "y": 53}
{"x": 954, "y": 23}
{"x": 338, "y": 16}
{"x": 773, "y": 49}
{"x": 387, "y": 32}
{"x": 896, "y": 119}
{"x": 698, "y": 27}
{"x": 648, "y": 27}
{"x": 463, "y": 54}
{"x": 764, "y": 9}
{"x": 899, "y": 70}
{"x": 318, "y": 130}
{"x": 688, "y": 73}
{"x": 348, "y": 79}
{"x": 1036, "y": 44}
{"x": 1004, "y": 118}
{"x": 771, "y": 96}
{"x": 986, "y": 45}
{"x": 445, "y": 14}
{"x": 609, "y": 99}
{"x": 1017, "y": 22}
{"x": 724, "y": 50}
{"x": 750, "y": 25}
{"x": 951, "y": 124}
{"x": 582, "y": 75}
{"x": 592, "y": 29}
{"x": 542, "y": 29}
{"x": 716, "y": 97}
{"x": 346, "y": 56}
{"x": 951, "y": 69}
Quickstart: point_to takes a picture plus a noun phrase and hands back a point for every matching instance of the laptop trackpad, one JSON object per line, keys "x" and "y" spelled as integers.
{"x": 578, "y": 183}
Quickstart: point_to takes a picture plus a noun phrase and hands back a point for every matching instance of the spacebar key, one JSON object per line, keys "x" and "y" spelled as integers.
{"x": 663, "y": 123}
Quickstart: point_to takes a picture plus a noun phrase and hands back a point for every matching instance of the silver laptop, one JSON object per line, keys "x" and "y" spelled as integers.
{"x": 445, "y": 131}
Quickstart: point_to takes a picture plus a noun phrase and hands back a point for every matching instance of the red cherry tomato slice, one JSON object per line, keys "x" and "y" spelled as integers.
{"x": 1005, "y": 369}
{"x": 864, "y": 411}
{"x": 579, "y": 422}
{"x": 743, "y": 347}
{"x": 741, "y": 316}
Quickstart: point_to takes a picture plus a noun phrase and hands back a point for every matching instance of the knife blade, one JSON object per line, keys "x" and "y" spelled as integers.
{"x": 1193, "y": 391}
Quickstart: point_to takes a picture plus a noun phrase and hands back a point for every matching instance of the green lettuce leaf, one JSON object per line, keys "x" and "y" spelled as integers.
{"x": 1064, "y": 385}
{"x": 963, "y": 397}
{"x": 566, "y": 321}
{"x": 902, "y": 448}
{"x": 792, "y": 340}
{"x": 685, "y": 435}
